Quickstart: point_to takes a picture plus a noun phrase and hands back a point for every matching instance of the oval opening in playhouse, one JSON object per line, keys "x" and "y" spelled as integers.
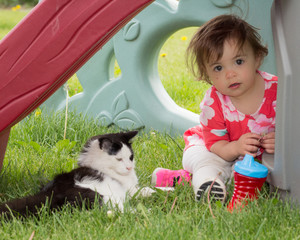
{"x": 174, "y": 74}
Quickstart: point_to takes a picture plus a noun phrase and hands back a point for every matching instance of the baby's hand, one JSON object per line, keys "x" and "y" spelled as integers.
{"x": 268, "y": 142}
{"x": 249, "y": 143}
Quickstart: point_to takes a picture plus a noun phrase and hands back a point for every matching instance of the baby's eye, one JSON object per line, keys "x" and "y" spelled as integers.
{"x": 239, "y": 61}
{"x": 218, "y": 68}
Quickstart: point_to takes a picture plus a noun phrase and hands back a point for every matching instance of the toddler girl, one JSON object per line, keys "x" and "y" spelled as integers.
{"x": 238, "y": 110}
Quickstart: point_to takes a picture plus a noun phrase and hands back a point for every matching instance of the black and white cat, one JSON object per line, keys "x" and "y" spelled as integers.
{"x": 106, "y": 172}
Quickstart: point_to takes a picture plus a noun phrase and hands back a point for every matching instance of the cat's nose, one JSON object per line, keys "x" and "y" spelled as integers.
{"x": 128, "y": 168}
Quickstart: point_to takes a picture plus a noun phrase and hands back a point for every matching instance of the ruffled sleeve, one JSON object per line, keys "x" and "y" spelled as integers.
{"x": 212, "y": 119}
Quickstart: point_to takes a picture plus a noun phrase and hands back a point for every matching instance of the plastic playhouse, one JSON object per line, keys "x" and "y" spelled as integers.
{"x": 52, "y": 46}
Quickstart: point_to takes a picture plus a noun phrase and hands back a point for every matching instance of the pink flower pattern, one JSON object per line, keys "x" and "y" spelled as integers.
{"x": 207, "y": 112}
{"x": 229, "y": 111}
{"x": 195, "y": 140}
{"x": 262, "y": 124}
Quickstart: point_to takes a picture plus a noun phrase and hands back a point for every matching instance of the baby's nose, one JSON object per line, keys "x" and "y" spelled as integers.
{"x": 230, "y": 74}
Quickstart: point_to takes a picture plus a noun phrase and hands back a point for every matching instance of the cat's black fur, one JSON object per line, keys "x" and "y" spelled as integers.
{"x": 63, "y": 189}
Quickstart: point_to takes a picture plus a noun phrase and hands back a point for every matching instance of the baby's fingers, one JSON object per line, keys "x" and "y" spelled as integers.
{"x": 268, "y": 141}
{"x": 269, "y": 147}
{"x": 253, "y": 141}
{"x": 251, "y": 149}
{"x": 270, "y": 135}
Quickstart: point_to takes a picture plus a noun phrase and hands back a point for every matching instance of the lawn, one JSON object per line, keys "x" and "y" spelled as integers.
{"x": 37, "y": 151}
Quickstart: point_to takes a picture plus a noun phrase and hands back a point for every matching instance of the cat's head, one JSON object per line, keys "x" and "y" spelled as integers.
{"x": 109, "y": 152}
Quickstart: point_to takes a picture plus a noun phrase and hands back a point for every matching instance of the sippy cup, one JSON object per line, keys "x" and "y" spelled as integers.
{"x": 249, "y": 177}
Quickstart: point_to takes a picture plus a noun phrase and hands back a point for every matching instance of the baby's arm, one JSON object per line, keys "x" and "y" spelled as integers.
{"x": 268, "y": 142}
{"x": 247, "y": 144}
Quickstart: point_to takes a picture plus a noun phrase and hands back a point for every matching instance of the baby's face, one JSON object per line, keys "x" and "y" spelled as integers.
{"x": 236, "y": 71}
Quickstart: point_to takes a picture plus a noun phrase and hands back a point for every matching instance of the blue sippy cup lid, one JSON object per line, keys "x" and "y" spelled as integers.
{"x": 249, "y": 167}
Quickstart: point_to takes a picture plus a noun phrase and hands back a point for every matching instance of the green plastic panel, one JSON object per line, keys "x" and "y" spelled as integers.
{"x": 137, "y": 99}
{"x": 284, "y": 166}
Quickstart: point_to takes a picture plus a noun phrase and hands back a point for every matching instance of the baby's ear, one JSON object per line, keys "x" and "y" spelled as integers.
{"x": 259, "y": 60}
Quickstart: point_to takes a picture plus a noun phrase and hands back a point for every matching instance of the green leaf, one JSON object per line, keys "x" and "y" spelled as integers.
{"x": 219, "y": 204}
{"x": 129, "y": 119}
{"x": 120, "y": 104}
{"x": 275, "y": 201}
{"x": 35, "y": 146}
{"x": 163, "y": 146}
{"x": 105, "y": 118}
{"x": 72, "y": 145}
{"x": 61, "y": 145}
{"x": 22, "y": 143}
{"x": 64, "y": 145}
{"x": 131, "y": 30}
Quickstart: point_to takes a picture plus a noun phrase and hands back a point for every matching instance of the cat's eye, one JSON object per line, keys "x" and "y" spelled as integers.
{"x": 119, "y": 159}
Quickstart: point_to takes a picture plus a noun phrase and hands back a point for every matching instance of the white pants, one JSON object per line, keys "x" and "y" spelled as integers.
{"x": 205, "y": 166}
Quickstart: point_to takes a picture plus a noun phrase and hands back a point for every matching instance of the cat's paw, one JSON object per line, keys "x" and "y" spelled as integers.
{"x": 146, "y": 192}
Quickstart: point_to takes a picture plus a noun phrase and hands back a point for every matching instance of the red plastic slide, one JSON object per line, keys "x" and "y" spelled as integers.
{"x": 48, "y": 46}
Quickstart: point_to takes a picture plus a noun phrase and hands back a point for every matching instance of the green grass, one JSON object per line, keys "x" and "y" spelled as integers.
{"x": 9, "y": 18}
{"x": 36, "y": 152}
{"x": 12, "y": 3}
{"x": 34, "y": 155}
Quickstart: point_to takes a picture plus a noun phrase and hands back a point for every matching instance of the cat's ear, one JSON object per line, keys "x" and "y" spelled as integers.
{"x": 105, "y": 144}
{"x": 129, "y": 135}
{"x": 108, "y": 146}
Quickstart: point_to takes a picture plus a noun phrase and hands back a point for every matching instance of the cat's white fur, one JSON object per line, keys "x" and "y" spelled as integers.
{"x": 119, "y": 175}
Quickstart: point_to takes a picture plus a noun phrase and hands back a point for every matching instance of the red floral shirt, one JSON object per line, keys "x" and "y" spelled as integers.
{"x": 220, "y": 120}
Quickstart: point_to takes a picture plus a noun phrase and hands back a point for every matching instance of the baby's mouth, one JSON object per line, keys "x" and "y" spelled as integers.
{"x": 234, "y": 85}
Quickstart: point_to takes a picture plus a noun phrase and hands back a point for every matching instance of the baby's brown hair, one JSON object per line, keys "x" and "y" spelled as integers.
{"x": 209, "y": 40}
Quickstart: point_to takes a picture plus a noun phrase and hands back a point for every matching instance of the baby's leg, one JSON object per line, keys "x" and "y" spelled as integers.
{"x": 207, "y": 168}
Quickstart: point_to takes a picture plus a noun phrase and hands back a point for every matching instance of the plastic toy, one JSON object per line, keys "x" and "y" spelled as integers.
{"x": 284, "y": 165}
{"x": 137, "y": 99}
{"x": 48, "y": 46}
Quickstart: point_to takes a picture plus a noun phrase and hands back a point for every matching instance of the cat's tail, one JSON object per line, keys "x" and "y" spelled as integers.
{"x": 25, "y": 206}
{"x": 32, "y": 205}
